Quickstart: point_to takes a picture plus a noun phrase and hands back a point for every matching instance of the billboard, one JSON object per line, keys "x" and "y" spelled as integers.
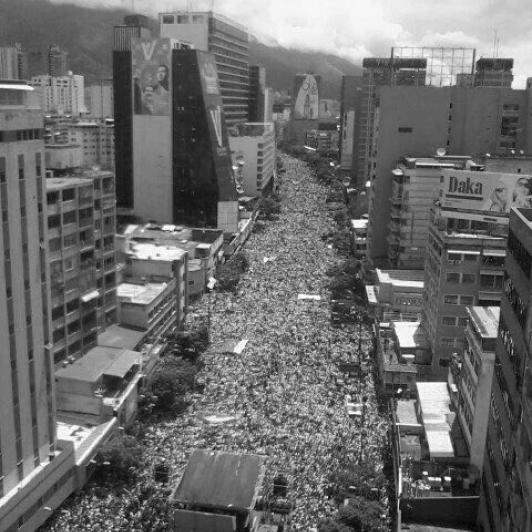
{"x": 151, "y": 60}
{"x": 306, "y": 104}
{"x": 492, "y": 192}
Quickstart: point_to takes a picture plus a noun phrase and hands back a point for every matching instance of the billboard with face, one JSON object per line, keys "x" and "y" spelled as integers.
{"x": 307, "y": 98}
{"x": 151, "y": 61}
{"x": 492, "y": 192}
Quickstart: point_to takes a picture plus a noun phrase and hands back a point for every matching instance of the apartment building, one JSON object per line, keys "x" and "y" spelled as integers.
{"x": 36, "y": 467}
{"x": 254, "y": 145}
{"x": 81, "y": 216}
{"x": 506, "y": 501}
{"x": 464, "y": 267}
{"x": 61, "y": 94}
{"x": 228, "y": 42}
{"x": 415, "y": 187}
{"x": 96, "y": 139}
{"x": 472, "y": 373}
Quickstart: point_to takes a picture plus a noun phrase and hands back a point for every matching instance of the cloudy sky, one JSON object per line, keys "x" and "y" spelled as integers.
{"x": 359, "y": 28}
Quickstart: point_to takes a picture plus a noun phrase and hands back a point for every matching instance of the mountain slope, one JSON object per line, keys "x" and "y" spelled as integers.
{"x": 87, "y": 34}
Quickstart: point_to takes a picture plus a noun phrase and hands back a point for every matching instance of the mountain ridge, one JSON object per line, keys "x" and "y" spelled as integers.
{"x": 87, "y": 34}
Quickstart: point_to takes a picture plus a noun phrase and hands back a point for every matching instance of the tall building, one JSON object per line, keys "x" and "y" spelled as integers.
{"x": 135, "y": 26}
{"x": 228, "y": 42}
{"x": 33, "y": 460}
{"x": 380, "y": 72}
{"x": 13, "y": 62}
{"x": 57, "y": 61}
{"x": 99, "y": 99}
{"x": 350, "y": 94}
{"x": 477, "y": 121}
{"x": 254, "y": 146}
{"x": 62, "y": 94}
{"x": 494, "y": 72}
{"x": 415, "y": 187}
{"x": 96, "y": 139}
{"x": 81, "y": 226}
{"x": 506, "y": 502}
{"x": 472, "y": 373}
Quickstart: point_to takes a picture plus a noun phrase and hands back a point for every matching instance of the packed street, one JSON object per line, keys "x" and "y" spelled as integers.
{"x": 284, "y": 393}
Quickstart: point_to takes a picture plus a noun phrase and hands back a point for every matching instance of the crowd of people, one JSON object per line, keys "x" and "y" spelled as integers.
{"x": 285, "y": 394}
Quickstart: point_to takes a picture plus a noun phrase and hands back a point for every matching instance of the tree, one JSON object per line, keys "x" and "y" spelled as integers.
{"x": 330, "y": 525}
{"x": 362, "y": 515}
{"x": 120, "y": 458}
{"x": 229, "y": 273}
{"x": 270, "y": 208}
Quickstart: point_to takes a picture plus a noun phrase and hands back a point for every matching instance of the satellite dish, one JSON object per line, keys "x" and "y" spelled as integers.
{"x": 440, "y": 152}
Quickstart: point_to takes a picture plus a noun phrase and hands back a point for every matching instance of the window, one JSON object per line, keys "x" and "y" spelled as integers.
{"x": 450, "y": 300}
{"x": 38, "y": 164}
{"x": 70, "y": 240}
{"x": 453, "y": 277}
{"x": 405, "y": 130}
{"x": 447, "y": 342}
{"x": 69, "y": 194}
{"x": 467, "y": 300}
{"x": 69, "y": 217}
{"x": 168, "y": 19}
{"x": 468, "y": 278}
{"x": 462, "y": 322}
{"x": 2, "y": 169}
{"x": 443, "y": 362}
{"x": 69, "y": 264}
{"x": 197, "y": 19}
{"x": 449, "y": 320}
{"x": 21, "y": 166}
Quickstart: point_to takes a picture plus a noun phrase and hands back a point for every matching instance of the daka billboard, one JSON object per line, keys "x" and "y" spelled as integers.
{"x": 151, "y": 60}
{"x": 307, "y": 101}
{"x": 492, "y": 192}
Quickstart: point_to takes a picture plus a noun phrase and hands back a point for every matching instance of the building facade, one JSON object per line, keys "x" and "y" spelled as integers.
{"x": 81, "y": 216}
{"x": 99, "y": 99}
{"x": 96, "y": 139}
{"x": 61, "y": 94}
{"x": 32, "y": 458}
{"x": 255, "y": 143}
{"x": 350, "y": 96}
{"x": 13, "y": 62}
{"x": 415, "y": 187}
{"x": 57, "y": 61}
{"x": 494, "y": 72}
{"x": 506, "y": 503}
{"x": 228, "y": 42}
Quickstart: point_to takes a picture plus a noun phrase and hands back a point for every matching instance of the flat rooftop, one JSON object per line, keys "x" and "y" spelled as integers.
{"x": 140, "y": 294}
{"x": 402, "y": 278}
{"x": 359, "y": 223}
{"x": 119, "y": 336}
{"x": 410, "y": 335}
{"x": 153, "y": 251}
{"x": 406, "y": 412}
{"x": 221, "y": 480}
{"x": 100, "y": 361}
{"x": 59, "y": 183}
{"x": 486, "y": 320}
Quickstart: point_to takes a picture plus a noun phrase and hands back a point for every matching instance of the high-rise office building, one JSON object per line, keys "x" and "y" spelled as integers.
{"x": 494, "y": 72}
{"x": 228, "y": 42}
{"x": 350, "y": 94}
{"x": 135, "y": 26}
{"x": 32, "y": 459}
{"x": 57, "y": 61}
{"x": 506, "y": 502}
{"x": 99, "y": 99}
{"x": 13, "y": 62}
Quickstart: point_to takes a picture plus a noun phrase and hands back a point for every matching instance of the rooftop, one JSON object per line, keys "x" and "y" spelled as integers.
{"x": 485, "y": 320}
{"x": 100, "y": 361}
{"x": 221, "y": 480}
{"x": 140, "y": 293}
{"x": 155, "y": 251}
{"x": 402, "y": 278}
{"x": 361, "y": 223}
{"x": 118, "y": 336}
{"x": 60, "y": 183}
{"x": 410, "y": 335}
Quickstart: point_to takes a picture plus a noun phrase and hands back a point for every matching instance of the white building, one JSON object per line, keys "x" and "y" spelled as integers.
{"x": 255, "y": 147}
{"x": 96, "y": 138}
{"x": 63, "y": 94}
{"x": 99, "y": 99}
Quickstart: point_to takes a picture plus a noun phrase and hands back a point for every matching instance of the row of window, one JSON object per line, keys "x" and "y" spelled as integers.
{"x": 15, "y": 135}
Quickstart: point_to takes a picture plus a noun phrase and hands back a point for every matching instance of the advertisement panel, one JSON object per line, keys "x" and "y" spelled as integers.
{"x": 151, "y": 60}
{"x": 307, "y": 100}
{"x": 492, "y": 192}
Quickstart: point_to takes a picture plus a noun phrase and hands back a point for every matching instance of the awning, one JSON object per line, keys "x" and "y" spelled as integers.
{"x": 464, "y": 251}
{"x": 492, "y": 272}
{"x": 494, "y": 253}
{"x": 16, "y": 86}
{"x": 89, "y": 296}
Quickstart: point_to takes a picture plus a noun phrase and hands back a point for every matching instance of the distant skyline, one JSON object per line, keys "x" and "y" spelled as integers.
{"x": 355, "y": 29}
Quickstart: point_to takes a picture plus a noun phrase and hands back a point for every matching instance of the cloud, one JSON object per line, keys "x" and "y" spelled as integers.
{"x": 359, "y": 28}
